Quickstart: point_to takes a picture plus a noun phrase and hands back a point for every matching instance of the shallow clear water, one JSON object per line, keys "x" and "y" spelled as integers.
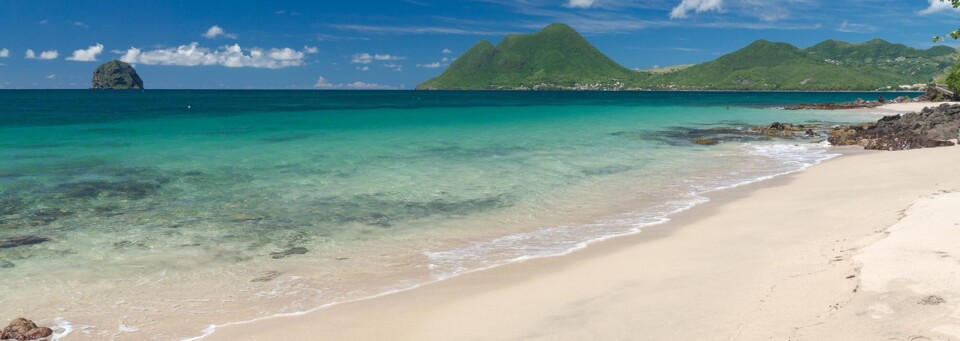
{"x": 225, "y": 205}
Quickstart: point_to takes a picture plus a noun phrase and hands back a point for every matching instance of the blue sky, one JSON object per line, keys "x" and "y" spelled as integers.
{"x": 398, "y": 44}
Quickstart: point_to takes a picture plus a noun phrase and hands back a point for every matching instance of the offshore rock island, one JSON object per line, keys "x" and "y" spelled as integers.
{"x": 116, "y": 75}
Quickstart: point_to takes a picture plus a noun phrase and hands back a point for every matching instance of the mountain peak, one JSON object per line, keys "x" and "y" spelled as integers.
{"x": 554, "y": 57}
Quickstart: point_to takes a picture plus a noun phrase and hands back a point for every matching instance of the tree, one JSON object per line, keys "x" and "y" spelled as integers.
{"x": 953, "y": 79}
{"x": 956, "y": 33}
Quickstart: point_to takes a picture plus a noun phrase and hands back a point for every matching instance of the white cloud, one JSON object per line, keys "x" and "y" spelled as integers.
{"x": 45, "y": 55}
{"x": 229, "y": 56}
{"x": 697, "y": 6}
{"x": 88, "y": 55}
{"x": 580, "y": 3}
{"x": 310, "y": 49}
{"x": 80, "y": 24}
{"x": 434, "y": 65}
{"x": 363, "y": 68}
{"x": 367, "y": 58}
{"x": 48, "y": 55}
{"x": 394, "y": 66}
{"x": 362, "y": 58}
{"x": 368, "y": 86}
{"x": 216, "y": 31}
{"x": 848, "y": 27}
{"x": 447, "y": 51}
{"x": 387, "y": 57}
{"x": 51, "y": 76}
{"x": 4, "y": 53}
{"x": 44, "y": 22}
{"x": 322, "y": 83}
{"x": 937, "y": 6}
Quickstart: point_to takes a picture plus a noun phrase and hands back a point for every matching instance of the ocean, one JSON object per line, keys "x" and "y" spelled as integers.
{"x": 124, "y": 213}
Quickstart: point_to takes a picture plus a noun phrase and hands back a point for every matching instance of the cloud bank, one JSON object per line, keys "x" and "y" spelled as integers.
{"x": 228, "y": 56}
{"x": 322, "y": 83}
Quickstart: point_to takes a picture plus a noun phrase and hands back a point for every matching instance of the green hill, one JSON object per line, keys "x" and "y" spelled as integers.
{"x": 557, "y": 57}
{"x": 765, "y": 65}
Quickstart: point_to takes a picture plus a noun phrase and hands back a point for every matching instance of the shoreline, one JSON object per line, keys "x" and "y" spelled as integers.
{"x": 476, "y": 292}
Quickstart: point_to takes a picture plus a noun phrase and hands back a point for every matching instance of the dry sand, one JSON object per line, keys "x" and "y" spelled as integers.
{"x": 909, "y": 106}
{"x": 863, "y": 247}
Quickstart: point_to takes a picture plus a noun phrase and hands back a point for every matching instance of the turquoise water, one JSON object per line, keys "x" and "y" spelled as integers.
{"x": 233, "y": 205}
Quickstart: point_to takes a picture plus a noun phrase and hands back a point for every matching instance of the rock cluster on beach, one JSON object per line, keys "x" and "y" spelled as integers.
{"x": 22, "y": 329}
{"x": 931, "y": 127}
{"x": 116, "y": 75}
{"x": 933, "y": 94}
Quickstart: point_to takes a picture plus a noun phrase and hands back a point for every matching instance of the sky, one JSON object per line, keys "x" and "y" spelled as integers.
{"x": 380, "y": 44}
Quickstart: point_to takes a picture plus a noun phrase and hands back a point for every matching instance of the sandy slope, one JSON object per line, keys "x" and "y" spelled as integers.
{"x": 802, "y": 257}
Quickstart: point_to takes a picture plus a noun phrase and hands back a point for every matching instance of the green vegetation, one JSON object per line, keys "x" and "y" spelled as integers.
{"x": 830, "y": 65}
{"x": 667, "y": 69}
{"x": 557, "y": 57}
{"x": 953, "y": 79}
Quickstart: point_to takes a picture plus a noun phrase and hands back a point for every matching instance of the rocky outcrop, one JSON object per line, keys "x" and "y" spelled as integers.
{"x": 706, "y": 141}
{"x": 935, "y": 94}
{"x": 116, "y": 75}
{"x": 931, "y": 127}
{"x": 22, "y": 329}
{"x": 858, "y": 104}
{"x": 786, "y": 130}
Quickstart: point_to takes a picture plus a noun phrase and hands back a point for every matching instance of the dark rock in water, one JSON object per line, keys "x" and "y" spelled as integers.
{"x": 10, "y": 206}
{"x": 931, "y": 127}
{"x": 12, "y": 242}
{"x": 5, "y": 264}
{"x": 785, "y": 130}
{"x": 289, "y": 252}
{"x": 116, "y": 75}
{"x": 22, "y": 329}
{"x": 127, "y": 189}
{"x": 858, "y": 104}
{"x": 45, "y": 216}
{"x": 706, "y": 141}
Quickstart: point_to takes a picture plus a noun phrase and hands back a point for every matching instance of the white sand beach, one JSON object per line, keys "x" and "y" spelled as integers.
{"x": 910, "y": 106}
{"x": 864, "y": 247}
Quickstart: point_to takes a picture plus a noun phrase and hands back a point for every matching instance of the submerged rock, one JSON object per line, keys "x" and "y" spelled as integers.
{"x": 22, "y": 329}
{"x": 116, "y": 75}
{"x": 126, "y": 189}
{"x": 289, "y": 252}
{"x": 706, "y": 141}
{"x": 12, "y": 242}
{"x": 5, "y": 264}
